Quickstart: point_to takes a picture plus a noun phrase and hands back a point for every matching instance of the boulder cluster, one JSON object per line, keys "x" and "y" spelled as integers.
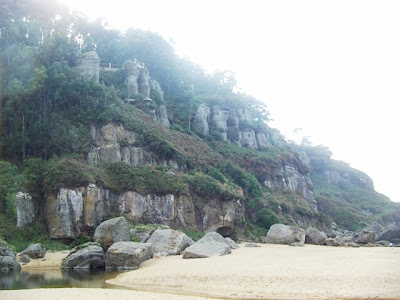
{"x": 368, "y": 237}
{"x": 113, "y": 249}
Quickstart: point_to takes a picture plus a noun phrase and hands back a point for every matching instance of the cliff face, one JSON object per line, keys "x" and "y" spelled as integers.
{"x": 73, "y": 211}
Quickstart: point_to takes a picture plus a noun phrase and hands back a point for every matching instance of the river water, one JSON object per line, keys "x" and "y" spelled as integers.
{"x": 34, "y": 279}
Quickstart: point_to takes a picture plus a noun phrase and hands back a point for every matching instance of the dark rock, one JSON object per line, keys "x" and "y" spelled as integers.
{"x": 85, "y": 256}
{"x": 23, "y": 258}
{"x": 35, "y": 251}
{"x": 7, "y": 257}
{"x": 206, "y": 249}
{"x": 390, "y": 233}
{"x": 112, "y": 231}
{"x": 169, "y": 241}
{"x": 127, "y": 255}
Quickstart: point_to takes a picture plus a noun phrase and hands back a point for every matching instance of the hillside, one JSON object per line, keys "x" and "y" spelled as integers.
{"x": 97, "y": 123}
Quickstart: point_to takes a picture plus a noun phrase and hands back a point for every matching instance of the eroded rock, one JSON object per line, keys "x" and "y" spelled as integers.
{"x": 26, "y": 211}
{"x": 7, "y": 257}
{"x": 283, "y": 234}
{"x": 35, "y": 251}
{"x": 169, "y": 241}
{"x": 314, "y": 236}
{"x": 85, "y": 256}
{"x": 112, "y": 231}
{"x": 206, "y": 249}
{"x": 127, "y": 255}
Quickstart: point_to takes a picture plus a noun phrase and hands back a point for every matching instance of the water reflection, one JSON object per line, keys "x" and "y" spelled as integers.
{"x": 33, "y": 279}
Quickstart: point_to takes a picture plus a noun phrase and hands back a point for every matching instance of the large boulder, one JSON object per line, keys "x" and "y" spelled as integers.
{"x": 26, "y": 211}
{"x": 85, "y": 256}
{"x": 332, "y": 242}
{"x": 232, "y": 243}
{"x": 284, "y": 234}
{"x": 168, "y": 241}
{"x": 206, "y": 249}
{"x": 7, "y": 257}
{"x": 314, "y": 236}
{"x": 213, "y": 236}
{"x": 365, "y": 237}
{"x": 35, "y": 251}
{"x": 390, "y": 233}
{"x": 141, "y": 235}
{"x": 127, "y": 255}
{"x": 112, "y": 231}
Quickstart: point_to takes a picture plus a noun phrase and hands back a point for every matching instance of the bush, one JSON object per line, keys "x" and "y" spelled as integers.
{"x": 266, "y": 218}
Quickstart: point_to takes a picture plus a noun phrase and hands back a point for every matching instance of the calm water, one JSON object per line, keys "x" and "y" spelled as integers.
{"x": 34, "y": 279}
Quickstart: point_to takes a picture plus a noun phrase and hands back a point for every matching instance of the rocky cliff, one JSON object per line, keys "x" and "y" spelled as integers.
{"x": 73, "y": 211}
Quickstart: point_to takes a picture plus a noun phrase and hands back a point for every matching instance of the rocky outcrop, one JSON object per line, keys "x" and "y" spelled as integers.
{"x": 365, "y": 237}
{"x": 283, "y": 234}
{"x": 35, "y": 251}
{"x": 127, "y": 255}
{"x": 169, "y": 242}
{"x": 7, "y": 257}
{"x": 314, "y": 236}
{"x": 219, "y": 120}
{"x": 88, "y": 65}
{"x": 390, "y": 233}
{"x": 290, "y": 178}
{"x": 332, "y": 242}
{"x": 112, "y": 231}
{"x": 26, "y": 210}
{"x": 201, "y": 119}
{"x": 206, "y": 249}
{"x": 143, "y": 83}
{"x": 73, "y": 210}
{"x": 114, "y": 143}
{"x": 86, "y": 256}
{"x": 132, "y": 72}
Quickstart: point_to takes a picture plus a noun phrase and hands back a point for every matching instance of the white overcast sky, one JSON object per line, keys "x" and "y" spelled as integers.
{"x": 331, "y": 68}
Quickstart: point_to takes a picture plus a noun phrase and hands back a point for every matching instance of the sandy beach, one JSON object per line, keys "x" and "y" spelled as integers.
{"x": 276, "y": 272}
{"x": 267, "y": 272}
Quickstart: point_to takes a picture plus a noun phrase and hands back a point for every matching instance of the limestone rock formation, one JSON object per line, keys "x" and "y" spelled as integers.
{"x": 169, "y": 241}
{"x": 26, "y": 210}
{"x": 88, "y": 65}
{"x": 112, "y": 231}
{"x": 127, "y": 255}
{"x": 7, "y": 257}
{"x": 85, "y": 256}
{"x": 72, "y": 210}
{"x": 201, "y": 119}
{"x": 206, "y": 249}
{"x": 283, "y": 234}
{"x": 219, "y": 120}
{"x": 112, "y": 142}
{"x": 35, "y": 251}
{"x": 132, "y": 72}
{"x": 143, "y": 83}
{"x": 314, "y": 236}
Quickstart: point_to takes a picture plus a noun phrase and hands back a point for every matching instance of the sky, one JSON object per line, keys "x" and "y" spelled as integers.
{"x": 331, "y": 68}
